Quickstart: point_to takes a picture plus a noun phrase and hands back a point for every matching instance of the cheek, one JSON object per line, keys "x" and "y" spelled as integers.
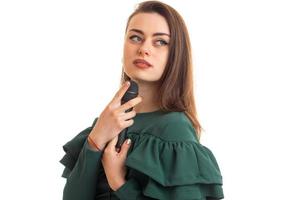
{"x": 128, "y": 51}
{"x": 125, "y": 50}
{"x": 164, "y": 58}
{"x": 128, "y": 56}
{"x": 163, "y": 61}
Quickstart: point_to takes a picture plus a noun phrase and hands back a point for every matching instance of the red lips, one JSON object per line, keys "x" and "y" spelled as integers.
{"x": 141, "y": 62}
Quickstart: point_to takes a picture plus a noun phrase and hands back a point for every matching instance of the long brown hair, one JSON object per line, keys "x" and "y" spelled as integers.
{"x": 176, "y": 84}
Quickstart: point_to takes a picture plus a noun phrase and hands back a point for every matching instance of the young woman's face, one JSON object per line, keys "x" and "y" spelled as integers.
{"x": 147, "y": 38}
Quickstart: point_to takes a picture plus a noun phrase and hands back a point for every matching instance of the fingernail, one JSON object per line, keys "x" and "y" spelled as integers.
{"x": 128, "y": 141}
{"x": 127, "y": 83}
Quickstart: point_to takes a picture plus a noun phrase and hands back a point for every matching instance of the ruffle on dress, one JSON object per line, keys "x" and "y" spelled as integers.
{"x": 176, "y": 169}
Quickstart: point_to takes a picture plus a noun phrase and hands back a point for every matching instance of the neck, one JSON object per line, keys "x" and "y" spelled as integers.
{"x": 148, "y": 91}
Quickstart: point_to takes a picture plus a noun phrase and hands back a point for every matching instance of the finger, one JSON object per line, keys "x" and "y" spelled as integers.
{"x": 121, "y": 91}
{"x": 128, "y": 115}
{"x": 128, "y": 123}
{"x": 130, "y": 104}
{"x": 112, "y": 143}
{"x": 125, "y": 147}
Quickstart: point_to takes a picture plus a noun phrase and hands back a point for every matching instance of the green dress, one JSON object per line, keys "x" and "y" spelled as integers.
{"x": 165, "y": 161}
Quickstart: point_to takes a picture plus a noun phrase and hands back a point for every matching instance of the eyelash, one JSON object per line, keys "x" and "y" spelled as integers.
{"x": 135, "y": 36}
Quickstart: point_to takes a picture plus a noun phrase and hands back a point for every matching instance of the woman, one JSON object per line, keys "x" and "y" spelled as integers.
{"x": 162, "y": 157}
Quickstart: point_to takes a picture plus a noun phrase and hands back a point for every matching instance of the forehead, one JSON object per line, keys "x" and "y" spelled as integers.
{"x": 149, "y": 23}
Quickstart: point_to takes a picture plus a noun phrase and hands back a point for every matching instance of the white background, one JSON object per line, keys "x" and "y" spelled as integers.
{"x": 60, "y": 64}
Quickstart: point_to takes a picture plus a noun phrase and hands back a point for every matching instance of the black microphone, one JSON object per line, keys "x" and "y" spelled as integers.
{"x": 131, "y": 93}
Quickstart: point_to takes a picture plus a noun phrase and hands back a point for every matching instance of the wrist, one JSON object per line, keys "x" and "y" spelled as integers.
{"x": 95, "y": 145}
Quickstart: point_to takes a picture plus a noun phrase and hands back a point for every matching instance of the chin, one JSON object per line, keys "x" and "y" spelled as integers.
{"x": 140, "y": 77}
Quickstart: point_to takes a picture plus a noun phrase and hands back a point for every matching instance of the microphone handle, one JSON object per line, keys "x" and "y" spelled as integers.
{"x": 122, "y": 135}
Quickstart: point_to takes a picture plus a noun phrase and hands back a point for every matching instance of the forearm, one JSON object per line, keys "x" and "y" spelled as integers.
{"x": 82, "y": 181}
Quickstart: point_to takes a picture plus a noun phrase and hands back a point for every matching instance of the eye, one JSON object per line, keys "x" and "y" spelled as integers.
{"x": 161, "y": 42}
{"x": 135, "y": 38}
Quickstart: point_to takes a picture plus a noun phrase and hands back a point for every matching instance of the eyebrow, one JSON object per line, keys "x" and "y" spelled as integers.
{"x": 154, "y": 34}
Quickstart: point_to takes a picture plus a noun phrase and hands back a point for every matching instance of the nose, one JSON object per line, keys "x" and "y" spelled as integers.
{"x": 144, "y": 50}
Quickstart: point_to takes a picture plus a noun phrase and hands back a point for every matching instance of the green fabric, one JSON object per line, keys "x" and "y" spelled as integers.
{"x": 165, "y": 161}
{"x": 82, "y": 183}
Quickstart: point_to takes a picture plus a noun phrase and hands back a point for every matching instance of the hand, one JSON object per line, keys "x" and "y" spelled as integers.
{"x": 114, "y": 163}
{"x": 113, "y": 118}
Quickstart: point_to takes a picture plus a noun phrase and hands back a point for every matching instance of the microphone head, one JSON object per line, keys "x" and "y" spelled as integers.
{"x": 131, "y": 92}
{"x": 133, "y": 88}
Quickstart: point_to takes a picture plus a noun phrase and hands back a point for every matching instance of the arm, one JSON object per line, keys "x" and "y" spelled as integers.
{"x": 82, "y": 180}
{"x": 131, "y": 189}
